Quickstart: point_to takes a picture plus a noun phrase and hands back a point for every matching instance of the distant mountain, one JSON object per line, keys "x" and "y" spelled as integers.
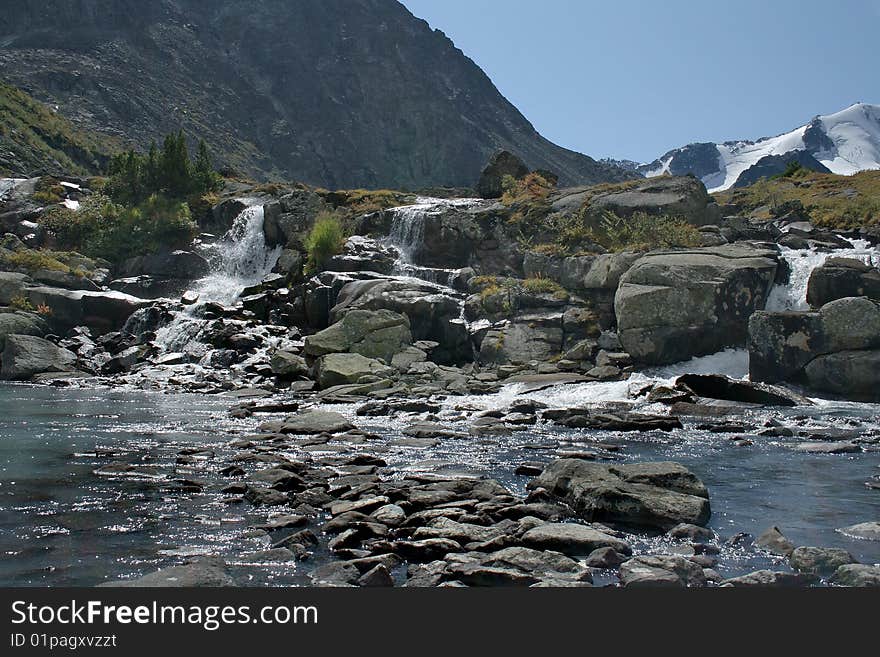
{"x": 338, "y": 93}
{"x": 844, "y": 143}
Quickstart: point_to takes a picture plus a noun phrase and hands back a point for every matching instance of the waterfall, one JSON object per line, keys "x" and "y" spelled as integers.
{"x": 802, "y": 262}
{"x": 407, "y": 235}
{"x": 238, "y": 260}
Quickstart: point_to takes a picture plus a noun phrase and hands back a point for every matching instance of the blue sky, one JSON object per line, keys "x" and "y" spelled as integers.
{"x": 633, "y": 79}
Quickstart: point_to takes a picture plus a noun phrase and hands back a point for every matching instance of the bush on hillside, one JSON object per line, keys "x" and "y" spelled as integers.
{"x": 324, "y": 241}
{"x": 641, "y": 232}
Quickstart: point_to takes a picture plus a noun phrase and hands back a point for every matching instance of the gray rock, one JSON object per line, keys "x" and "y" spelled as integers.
{"x": 819, "y": 561}
{"x": 868, "y": 531}
{"x": 654, "y": 495}
{"x": 684, "y": 196}
{"x": 207, "y": 572}
{"x": 672, "y": 306}
{"x": 21, "y": 323}
{"x": 572, "y": 539}
{"x": 373, "y": 334}
{"x": 288, "y": 365}
{"x": 312, "y": 422}
{"x": 769, "y": 578}
{"x": 857, "y": 575}
{"x": 25, "y": 356}
{"x": 376, "y": 577}
{"x": 662, "y": 570}
{"x": 839, "y": 278}
{"x": 773, "y": 541}
{"x": 341, "y": 369}
{"x": 604, "y": 558}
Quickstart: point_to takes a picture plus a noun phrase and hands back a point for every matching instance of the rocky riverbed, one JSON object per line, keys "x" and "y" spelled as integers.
{"x": 438, "y": 408}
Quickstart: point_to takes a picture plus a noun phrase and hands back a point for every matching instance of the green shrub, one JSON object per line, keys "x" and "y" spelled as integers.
{"x": 642, "y": 232}
{"x": 325, "y": 240}
{"x": 541, "y": 285}
{"x": 103, "y": 229}
{"x": 21, "y": 303}
{"x": 30, "y": 260}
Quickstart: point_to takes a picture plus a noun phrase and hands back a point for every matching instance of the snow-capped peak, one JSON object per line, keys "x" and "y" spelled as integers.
{"x": 845, "y": 143}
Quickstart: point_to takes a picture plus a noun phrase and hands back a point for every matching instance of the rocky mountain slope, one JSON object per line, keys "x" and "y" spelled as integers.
{"x": 34, "y": 139}
{"x": 843, "y": 143}
{"x": 339, "y": 93}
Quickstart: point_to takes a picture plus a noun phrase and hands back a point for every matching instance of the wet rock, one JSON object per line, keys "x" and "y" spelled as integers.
{"x": 382, "y": 409}
{"x": 605, "y": 558}
{"x": 336, "y": 574}
{"x": 389, "y": 514}
{"x": 662, "y": 570}
{"x": 691, "y": 532}
{"x": 430, "y": 430}
{"x": 769, "y": 578}
{"x": 361, "y": 253}
{"x": 474, "y": 574}
{"x": 717, "y": 386}
{"x": 828, "y": 448}
{"x": 857, "y": 575}
{"x": 274, "y": 555}
{"x": 205, "y": 572}
{"x": 572, "y": 539}
{"x": 25, "y": 356}
{"x": 581, "y": 418}
{"x": 868, "y": 531}
{"x": 774, "y": 541}
{"x": 819, "y": 561}
{"x": 311, "y": 422}
{"x": 653, "y": 495}
{"x": 426, "y": 550}
{"x": 378, "y": 576}
{"x": 541, "y": 563}
{"x": 262, "y": 496}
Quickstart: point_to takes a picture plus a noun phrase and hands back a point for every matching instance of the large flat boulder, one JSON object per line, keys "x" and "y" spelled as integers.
{"x": 25, "y": 356}
{"x": 342, "y": 369}
{"x": 100, "y": 311}
{"x": 371, "y": 333}
{"x": 674, "y": 305}
{"x": 645, "y": 495}
{"x": 684, "y": 196}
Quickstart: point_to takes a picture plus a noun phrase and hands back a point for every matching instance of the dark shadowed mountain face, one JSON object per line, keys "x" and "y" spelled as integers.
{"x": 339, "y": 93}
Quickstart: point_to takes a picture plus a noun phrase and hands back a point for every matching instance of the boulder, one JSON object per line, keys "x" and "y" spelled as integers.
{"x": 341, "y": 369}
{"x": 175, "y": 265}
{"x": 649, "y": 495}
{"x": 717, "y": 386}
{"x": 819, "y": 561}
{"x": 839, "y": 278}
{"x": 310, "y": 422}
{"x": 100, "y": 311}
{"x": 12, "y": 285}
{"x": 867, "y": 531}
{"x": 661, "y": 570}
{"x": 572, "y": 539}
{"x": 205, "y": 572}
{"x": 674, "y": 305}
{"x": 21, "y": 323}
{"x": 833, "y": 350}
{"x": 768, "y": 579}
{"x": 364, "y": 254}
{"x": 25, "y": 356}
{"x": 774, "y": 541}
{"x": 502, "y": 163}
{"x": 856, "y": 574}
{"x": 684, "y": 196}
{"x": 288, "y": 365}
{"x": 370, "y": 333}
{"x": 434, "y": 313}
{"x": 529, "y": 337}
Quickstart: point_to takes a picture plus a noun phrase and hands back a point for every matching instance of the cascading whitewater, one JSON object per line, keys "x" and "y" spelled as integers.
{"x": 239, "y": 260}
{"x": 407, "y": 235}
{"x": 802, "y": 262}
